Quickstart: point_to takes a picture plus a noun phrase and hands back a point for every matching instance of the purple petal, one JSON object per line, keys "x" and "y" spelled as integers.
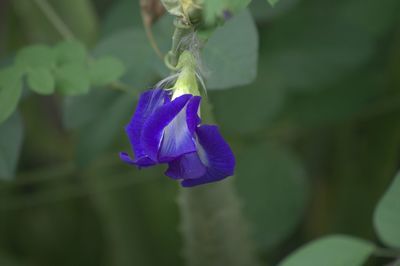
{"x": 168, "y": 125}
{"x": 215, "y": 154}
{"x": 140, "y": 162}
{"x": 126, "y": 158}
{"x": 192, "y": 117}
{"x": 179, "y": 138}
{"x": 149, "y": 102}
{"x": 187, "y": 166}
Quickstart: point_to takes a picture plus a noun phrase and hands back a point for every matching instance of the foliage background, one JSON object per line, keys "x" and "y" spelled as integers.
{"x": 316, "y": 134}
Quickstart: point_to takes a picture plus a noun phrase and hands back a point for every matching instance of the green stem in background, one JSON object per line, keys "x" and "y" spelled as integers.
{"x": 54, "y": 19}
{"x": 66, "y": 33}
{"x": 213, "y": 228}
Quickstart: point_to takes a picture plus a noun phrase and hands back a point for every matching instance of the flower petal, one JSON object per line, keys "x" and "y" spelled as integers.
{"x": 192, "y": 110}
{"x": 187, "y": 166}
{"x": 126, "y": 158}
{"x": 167, "y": 125}
{"x": 179, "y": 138}
{"x": 215, "y": 154}
{"x": 140, "y": 162}
{"x": 149, "y": 102}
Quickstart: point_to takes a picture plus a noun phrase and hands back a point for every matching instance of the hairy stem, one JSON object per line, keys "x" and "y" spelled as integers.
{"x": 213, "y": 227}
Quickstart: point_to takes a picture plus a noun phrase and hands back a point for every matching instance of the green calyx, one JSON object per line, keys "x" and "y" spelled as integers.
{"x": 188, "y": 10}
{"x": 186, "y": 82}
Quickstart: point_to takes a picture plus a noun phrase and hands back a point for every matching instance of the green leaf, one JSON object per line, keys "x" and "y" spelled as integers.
{"x": 263, "y": 92}
{"x": 123, "y": 14}
{"x": 337, "y": 250}
{"x": 10, "y": 146}
{"x": 272, "y": 2}
{"x": 73, "y": 79}
{"x": 217, "y": 10}
{"x": 41, "y": 81}
{"x": 9, "y": 260}
{"x": 272, "y": 184}
{"x": 10, "y": 91}
{"x": 352, "y": 94}
{"x": 99, "y": 116}
{"x": 70, "y": 52}
{"x": 35, "y": 56}
{"x": 78, "y": 111}
{"x": 387, "y": 215}
{"x": 132, "y": 48}
{"x": 306, "y": 63}
{"x": 231, "y": 54}
{"x": 377, "y": 17}
{"x": 263, "y": 12}
{"x": 105, "y": 70}
{"x": 98, "y": 135}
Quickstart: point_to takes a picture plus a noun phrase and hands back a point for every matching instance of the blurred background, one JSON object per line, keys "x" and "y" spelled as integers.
{"x": 316, "y": 135}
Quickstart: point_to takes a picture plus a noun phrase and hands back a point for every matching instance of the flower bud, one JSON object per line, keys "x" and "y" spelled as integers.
{"x": 186, "y": 82}
{"x": 189, "y": 10}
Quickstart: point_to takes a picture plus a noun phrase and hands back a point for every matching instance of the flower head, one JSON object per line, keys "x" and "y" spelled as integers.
{"x": 169, "y": 131}
{"x": 166, "y": 128}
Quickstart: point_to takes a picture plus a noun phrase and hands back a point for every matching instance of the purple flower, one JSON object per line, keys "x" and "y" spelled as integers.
{"x": 169, "y": 131}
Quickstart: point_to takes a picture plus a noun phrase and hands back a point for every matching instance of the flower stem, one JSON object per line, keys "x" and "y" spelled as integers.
{"x": 54, "y": 19}
{"x": 213, "y": 228}
{"x": 150, "y": 9}
{"x": 181, "y": 30}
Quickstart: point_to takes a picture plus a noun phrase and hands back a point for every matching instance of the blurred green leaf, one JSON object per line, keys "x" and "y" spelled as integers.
{"x": 218, "y": 10}
{"x": 273, "y": 186}
{"x": 7, "y": 260}
{"x": 377, "y": 17}
{"x": 80, "y": 110}
{"x": 10, "y": 91}
{"x": 387, "y": 215}
{"x": 73, "y": 79}
{"x": 107, "y": 112}
{"x": 261, "y": 11}
{"x": 231, "y": 54}
{"x": 70, "y": 52}
{"x": 132, "y": 48}
{"x": 272, "y": 2}
{"x": 41, "y": 80}
{"x": 337, "y": 250}
{"x": 123, "y": 14}
{"x": 10, "y": 146}
{"x": 132, "y": 232}
{"x": 354, "y": 95}
{"x": 310, "y": 54}
{"x": 105, "y": 70}
{"x": 35, "y": 56}
{"x": 248, "y": 109}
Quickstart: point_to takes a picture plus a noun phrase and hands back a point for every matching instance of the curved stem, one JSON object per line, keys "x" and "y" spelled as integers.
{"x": 150, "y": 36}
{"x": 181, "y": 30}
{"x": 54, "y": 19}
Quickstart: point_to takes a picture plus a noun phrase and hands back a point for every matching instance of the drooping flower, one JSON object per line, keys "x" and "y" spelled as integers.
{"x": 166, "y": 129}
{"x": 169, "y": 131}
